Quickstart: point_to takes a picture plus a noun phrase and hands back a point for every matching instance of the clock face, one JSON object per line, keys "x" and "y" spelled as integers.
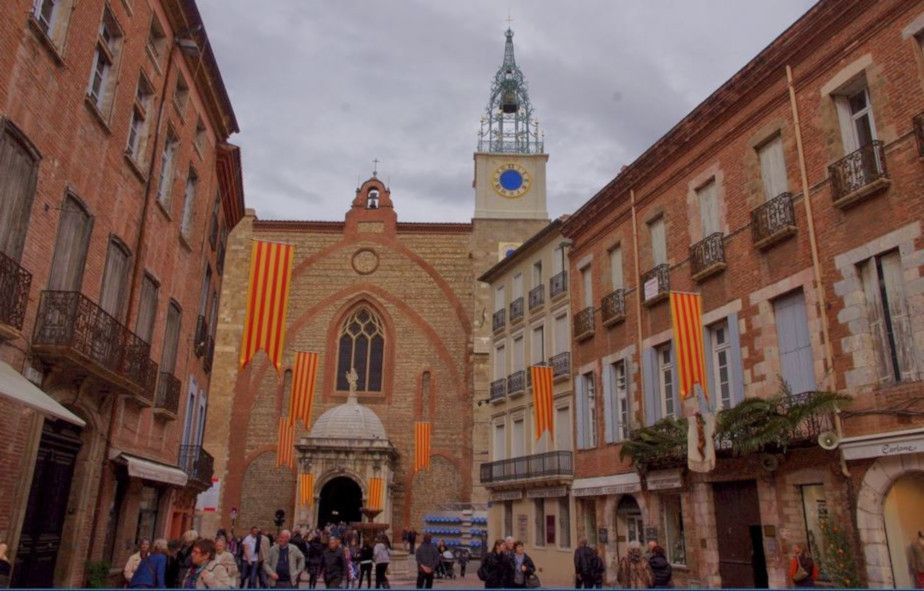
{"x": 511, "y": 181}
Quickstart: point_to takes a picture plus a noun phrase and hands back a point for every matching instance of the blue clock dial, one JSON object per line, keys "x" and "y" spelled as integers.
{"x": 511, "y": 180}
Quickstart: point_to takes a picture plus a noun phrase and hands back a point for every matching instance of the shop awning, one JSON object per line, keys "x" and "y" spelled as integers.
{"x": 15, "y": 386}
{"x": 617, "y": 484}
{"x": 151, "y": 470}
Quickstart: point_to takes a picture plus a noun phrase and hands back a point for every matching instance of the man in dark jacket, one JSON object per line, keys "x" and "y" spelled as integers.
{"x": 660, "y": 568}
{"x": 428, "y": 558}
{"x": 583, "y": 565}
{"x": 334, "y": 565}
{"x": 314, "y": 559}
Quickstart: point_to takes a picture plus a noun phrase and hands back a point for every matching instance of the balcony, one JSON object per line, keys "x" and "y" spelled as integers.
{"x": 516, "y": 310}
{"x": 209, "y": 354}
{"x": 553, "y": 465}
{"x": 499, "y": 321}
{"x": 918, "y": 122}
{"x": 167, "y": 397}
{"x": 198, "y": 465}
{"x": 773, "y": 221}
{"x": 561, "y": 365}
{"x": 202, "y": 333}
{"x": 14, "y": 296}
{"x": 516, "y": 383}
{"x": 558, "y": 285}
{"x": 813, "y": 425}
{"x": 656, "y": 284}
{"x": 613, "y": 307}
{"x": 584, "y": 324}
{"x": 498, "y": 389}
{"x": 707, "y": 257}
{"x": 536, "y": 297}
{"x": 72, "y": 332}
{"x": 860, "y": 174}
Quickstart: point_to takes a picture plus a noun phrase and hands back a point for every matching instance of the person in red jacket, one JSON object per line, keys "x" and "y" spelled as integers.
{"x": 808, "y": 574}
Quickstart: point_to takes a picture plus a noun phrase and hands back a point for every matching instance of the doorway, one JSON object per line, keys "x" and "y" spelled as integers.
{"x": 629, "y": 524}
{"x": 48, "y": 497}
{"x": 742, "y": 562}
{"x": 904, "y": 524}
{"x": 341, "y": 500}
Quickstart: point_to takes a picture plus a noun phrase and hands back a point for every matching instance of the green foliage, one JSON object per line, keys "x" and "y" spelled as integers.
{"x": 839, "y": 564}
{"x": 664, "y": 441}
{"x": 98, "y": 574}
{"x": 753, "y": 425}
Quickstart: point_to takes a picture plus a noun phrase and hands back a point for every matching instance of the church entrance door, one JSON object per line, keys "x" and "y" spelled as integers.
{"x": 341, "y": 500}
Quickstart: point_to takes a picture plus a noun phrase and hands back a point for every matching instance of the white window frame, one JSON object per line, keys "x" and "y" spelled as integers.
{"x": 848, "y": 119}
{"x": 772, "y": 159}
{"x": 721, "y": 350}
{"x": 616, "y": 271}
{"x": 590, "y": 396}
{"x": 707, "y": 197}
{"x": 537, "y": 331}
{"x": 620, "y": 398}
{"x": 657, "y": 233}
{"x": 666, "y": 377}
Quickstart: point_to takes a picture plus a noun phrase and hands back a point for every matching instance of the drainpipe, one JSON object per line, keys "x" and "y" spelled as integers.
{"x": 639, "y": 291}
{"x": 829, "y": 377}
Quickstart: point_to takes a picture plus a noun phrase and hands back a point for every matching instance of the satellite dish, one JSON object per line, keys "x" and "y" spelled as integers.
{"x": 828, "y": 440}
{"x": 769, "y": 462}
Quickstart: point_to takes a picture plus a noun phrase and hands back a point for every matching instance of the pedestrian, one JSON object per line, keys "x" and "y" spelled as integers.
{"x": 366, "y": 556}
{"x": 412, "y": 540}
{"x": 334, "y": 565}
{"x": 597, "y": 570}
{"x": 315, "y": 555}
{"x": 265, "y": 541}
{"x": 284, "y": 562}
{"x": 205, "y": 572}
{"x": 226, "y": 559}
{"x": 349, "y": 552}
{"x": 151, "y": 571}
{"x": 463, "y": 557}
{"x": 251, "y": 546}
{"x": 803, "y": 572}
{"x": 523, "y": 566}
{"x": 496, "y": 569}
{"x": 634, "y": 572}
{"x": 183, "y": 555}
{"x": 381, "y": 555}
{"x": 172, "y": 573}
{"x": 405, "y": 539}
{"x": 131, "y": 565}
{"x": 660, "y": 568}
{"x": 583, "y": 565}
{"x": 6, "y": 568}
{"x": 427, "y": 560}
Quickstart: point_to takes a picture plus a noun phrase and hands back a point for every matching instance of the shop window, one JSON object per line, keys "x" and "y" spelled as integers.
{"x": 147, "y": 513}
{"x": 564, "y": 522}
{"x": 672, "y": 525}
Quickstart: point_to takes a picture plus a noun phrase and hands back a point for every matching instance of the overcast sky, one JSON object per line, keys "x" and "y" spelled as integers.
{"x": 322, "y": 88}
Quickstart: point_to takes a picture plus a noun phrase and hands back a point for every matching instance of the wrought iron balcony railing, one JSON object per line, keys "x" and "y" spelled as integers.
{"x": 561, "y": 364}
{"x": 859, "y": 174}
{"x": 209, "y": 354}
{"x": 613, "y": 307}
{"x": 14, "y": 293}
{"x": 584, "y": 323}
{"x": 553, "y": 464}
{"x": 707, "y": 257}
{"x": 558, "y": 285}
{"x": 198, "y": 465}
{"x": 773, "y": 221}
{"x": 167, "y": 398}
{"x": 499, "y": 320}
{"x": 813, "y": 425}
{"x": 516, "y": 310}
{"x": 72, "y": 328}
{"x": 656, "y": 284}
{"x": 918, "y": 122}
{"x": 536, "y": 297}
{"x": 498, "y": 389}
{"x": 202, "y": 333}
{"x": 516, "y": 382}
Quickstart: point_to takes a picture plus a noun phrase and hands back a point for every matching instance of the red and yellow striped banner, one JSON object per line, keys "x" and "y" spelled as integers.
{"x": 267, "y": 301}
{"x": 375, "y": 498}
{"x": 285, "y": 444}
{"x": 542, "y": 399}
{"x": 422, "y": 433}
{"x": 687, "y": 319}
{"x": 306, "y": 489}
{"x": 303, "y": 378}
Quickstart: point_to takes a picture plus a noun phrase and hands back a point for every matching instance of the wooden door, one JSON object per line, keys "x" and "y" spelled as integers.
{"x": 45, "y": 512}
{"x": 737, "y": 519}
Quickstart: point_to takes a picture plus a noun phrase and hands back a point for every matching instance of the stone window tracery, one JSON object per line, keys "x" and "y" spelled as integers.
{"x": 361, "y": 346}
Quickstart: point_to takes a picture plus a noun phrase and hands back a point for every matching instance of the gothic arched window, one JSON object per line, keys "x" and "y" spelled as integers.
{"x": 362, "y": 347}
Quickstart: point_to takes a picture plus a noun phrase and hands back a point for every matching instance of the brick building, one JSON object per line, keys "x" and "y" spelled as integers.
{"x": 117, "y": 190}
{"x": 792, "y": 200}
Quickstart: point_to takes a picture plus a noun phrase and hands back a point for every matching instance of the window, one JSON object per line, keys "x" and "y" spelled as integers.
{"x": 213, "y": 223}
{"x": 590, "y": 406}
{"x": 587, "y": 287}
{"x": 588, "y": 509}
{"x": 71, "y": 245}
{"x": 499, "y": 301}
{"x": 171, "y": 339}
{"x": 157, "y": 40}
{"x": 537, "y": 346}
{"x": 18, "y": 173}
{"x": 517, "y": 287}
{"x": 558, "y": 260}
{"x": 855, "y": 116}
{"x": 539, "y": 521}
{"x": 617, "y": 402}
{"x": 889, "y": 317}
{"x": 362, "y": 347}
{"x": 708, "y": 207}
{"x": 500, "y": 362}
{"x": 720, "y": 365}
{"x": 200, "y": 423}
{"x": 562, "y": 337}
{"x": 564, "y": 522}
{"x": 500, "y": 441}
{"x": 102, "y": 80}
{"x": 672, "y": 525}
{"x": 164, "y": 185}
{"x": 658, "y": 241}
{"x": 563, "y": 438}
{"x": 180, "y": 94}
{"x": 204, "y": 292}
{"x": 138, "y": 130}
{"x": 147, "y": 513}
{"x": 189, "y": 203}
{"x": 518, "y": 353}
{"x": 190, "y": 413}
{"x": 773, "y": 167}
{"x": 51, "y": 17}
{"x": 115, "y": 279}
{"x": 213, "y": 319}
{"x": 537, "y": 273}
{"x": 797, "y": 364}
{"x": 616, "y": 279}
{"x": 147, "y": 308}
{"x": 508, "y": 519}
{"x": 666, "y": 381}
{"x": 201, "y": 136}
{"x": 517, "y": 438}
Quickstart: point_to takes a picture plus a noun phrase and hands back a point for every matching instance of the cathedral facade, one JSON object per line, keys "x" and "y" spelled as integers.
{"x": 400, "y": 304}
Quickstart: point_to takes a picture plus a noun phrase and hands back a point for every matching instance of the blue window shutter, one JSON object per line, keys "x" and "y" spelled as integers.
{"x": 711, "y": 386}
{"x": 734, "y": 360}
{"x": 580, "y": 410}
{"x": 609, "y": 404}
{"x": 675, "y": 383}
{"x": 630, "y": 380}
{"x": 650, "y": 385}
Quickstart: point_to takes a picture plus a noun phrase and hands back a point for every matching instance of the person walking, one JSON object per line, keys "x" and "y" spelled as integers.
{"x": 251, "y": 546}
{"x": 597, "y": 570}
{"x": 152, "y": 570}
{"x": 660, "y": 568}
{"x": 803, "y": 572}
{"x": 366, "y": 556}
{"x": 496, "y": 567}
{"x": 265, "y": 542}
{"x": 634, "y": 572}
{"x": 131, "y": 565}
{"x": 428, "y": 559}
{"x": 463, "y": 558}
{"x": 381, "y": 555}
{"x": 226, "y": 559}
{"x": 334, "y": 568}
{"x": 412, "y": 540}
{"x": 204, "y": 571}
{"x": 183, "y": 555}
{"x": 523, "y": 566}
{"x": 583, "y": 565}
{"x": 315, "y": 554}
{"x": 284, "y": 562}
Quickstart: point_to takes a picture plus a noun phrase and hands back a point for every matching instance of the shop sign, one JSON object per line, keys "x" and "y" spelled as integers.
{"x": 664, "y": 480}
{"x": 894, "y": 444}
{"x": 510, "y": 495}
{"x": 547, "y": 493}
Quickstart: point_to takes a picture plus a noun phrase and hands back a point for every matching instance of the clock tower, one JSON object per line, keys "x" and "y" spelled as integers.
{"x": 510, "y": 160}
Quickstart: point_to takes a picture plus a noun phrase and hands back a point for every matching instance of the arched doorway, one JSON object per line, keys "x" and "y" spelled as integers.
{"x": 341, "y": 500}
{"x": 630, "y": 527}
{"x": 904, "y": 519}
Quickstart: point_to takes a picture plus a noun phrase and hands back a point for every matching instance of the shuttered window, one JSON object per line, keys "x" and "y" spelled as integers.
{"x": 889, "y": 318}
{"x": 562, "y": 337}
{"x": 499, "y": 301}
{"x": 587, "y": 287}
{"x": 537, "y": 346}
{"x": 563, "y": 432}
{"x": 797, "y": 364}
{"x": 115, "y": 279}
{"x": 165, "y": 182}
{"x": 171, "y": 339}
{"x": 616, "y": 280}
{"x": 18, "y": 172}
{"x": 71, "y": 245}
{"x": 500, "y": 442}
{"x": 500, "y": 362}
{"x": 147, "y": 308}
{"x": 518, "y": 353}
{"x": 189, "y": 203}
{"x": 517, "y": 438}
{"x": 517, "y": 287}
{"x": 708, "y": 207}
{"x": 587, "y": 411}
{"x": 773, "y": 167}
{"x": 658, "y": 241}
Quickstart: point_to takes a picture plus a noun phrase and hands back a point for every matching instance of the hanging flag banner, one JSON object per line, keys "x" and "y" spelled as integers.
{"x": 687, "y": 320}
{"x": 267, "y": 301}
{"x": 306, "y": 489}
{"x": 376, "y": 488}
{"x": 285, "y": 444}
{"x": 542, "y": 400}
{"x": 302, "y": 396}
{"x": 422, "y": 433}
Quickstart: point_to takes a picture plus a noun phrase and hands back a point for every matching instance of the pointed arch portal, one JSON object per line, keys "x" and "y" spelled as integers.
{"x": 341, "y": 500}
